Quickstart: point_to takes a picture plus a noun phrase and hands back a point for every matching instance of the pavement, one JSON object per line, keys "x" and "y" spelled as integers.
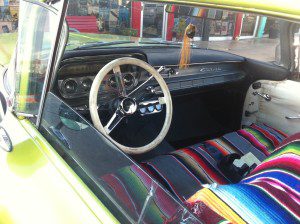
{"x": 262, "y": 49}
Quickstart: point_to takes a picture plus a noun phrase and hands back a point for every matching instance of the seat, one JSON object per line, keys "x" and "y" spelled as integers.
{"x": 184, "y": 172}
{"x": 270, "y": 194}
{"x": 259, "y": 139}
{"x": 197, "y": 164}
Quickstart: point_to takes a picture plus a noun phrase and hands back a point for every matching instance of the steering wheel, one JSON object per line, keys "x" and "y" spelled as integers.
{"x": 127, "y": 104}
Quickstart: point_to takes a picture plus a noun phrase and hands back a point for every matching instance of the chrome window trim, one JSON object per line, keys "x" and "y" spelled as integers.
{"x": 55, "y": 11}
{"x": 62, "y": 46}
{"x": 51, "y": 64}
{"x": 48, "y": 7}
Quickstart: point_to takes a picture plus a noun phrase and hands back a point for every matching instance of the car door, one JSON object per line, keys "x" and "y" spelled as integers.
{"x": 32, "y": 189}
{"x": 281, "y": 110}
{"x": 276, "y": 103}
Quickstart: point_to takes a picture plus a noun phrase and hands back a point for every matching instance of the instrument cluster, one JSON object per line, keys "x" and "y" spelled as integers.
{"x": 75, "y": 79}
{"x": 75, "y": 87}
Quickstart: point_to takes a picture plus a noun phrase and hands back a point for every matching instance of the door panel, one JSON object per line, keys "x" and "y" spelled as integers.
{"x": 284, "y": 102}
{"x": 32, "y": 189}
{"x": 96, "y": 160}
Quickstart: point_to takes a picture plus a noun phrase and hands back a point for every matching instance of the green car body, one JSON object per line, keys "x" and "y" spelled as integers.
{"x": 38, "y": 186}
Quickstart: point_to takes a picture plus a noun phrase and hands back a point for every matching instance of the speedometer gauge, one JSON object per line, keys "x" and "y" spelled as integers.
{"x": 70, "y": 86}
{"x": 128, "y": 80}
{"x": 112, "y": 81}
{"x": 86, "y": 84}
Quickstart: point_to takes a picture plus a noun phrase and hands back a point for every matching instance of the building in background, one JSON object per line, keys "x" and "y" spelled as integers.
{"x": 9, "y": 16}
{"x": 152, "y": 20}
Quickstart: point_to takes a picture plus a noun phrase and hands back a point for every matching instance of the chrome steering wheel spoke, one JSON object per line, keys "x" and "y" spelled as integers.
{"x": 113, "y": 121}
{"x": 119, "y": 81}
{"x": 131, "y": 94}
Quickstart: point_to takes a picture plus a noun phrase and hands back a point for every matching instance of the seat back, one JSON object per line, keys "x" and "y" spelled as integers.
{"x": 270, "y": 194}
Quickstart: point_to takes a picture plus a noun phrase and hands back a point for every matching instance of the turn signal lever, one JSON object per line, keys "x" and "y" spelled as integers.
{"x": 267, "y": 97}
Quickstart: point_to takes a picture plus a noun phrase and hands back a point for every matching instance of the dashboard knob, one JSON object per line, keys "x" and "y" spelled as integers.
{"x": 86, "y": 84}
{"x": 158, "y": 107}
{"x": 172, "y": 72}
{"x": 143, "y": 110}
{"x": 151, "y": 108}
{"x": 70, "y": 86}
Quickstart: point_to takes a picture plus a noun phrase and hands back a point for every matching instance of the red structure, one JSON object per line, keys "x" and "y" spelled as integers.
{"x": 84, "y": 24}
{"x": 170, "y": 25}
{"x": 136, "y": 10}
{"x": 238, "y": 26}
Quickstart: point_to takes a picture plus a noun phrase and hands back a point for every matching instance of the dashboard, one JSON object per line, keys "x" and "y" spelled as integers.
{"x": 79, "y": 79}
{"x": 79, "y": 68}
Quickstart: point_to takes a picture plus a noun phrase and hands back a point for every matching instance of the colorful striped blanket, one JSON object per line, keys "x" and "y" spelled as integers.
{"x": 270, "y": 194}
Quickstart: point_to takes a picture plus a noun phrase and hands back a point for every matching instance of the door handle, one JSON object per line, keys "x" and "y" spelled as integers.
{"x": 267, "y": 97}
{"x": 293, "y": 117}
{"x": 5, "y": 142}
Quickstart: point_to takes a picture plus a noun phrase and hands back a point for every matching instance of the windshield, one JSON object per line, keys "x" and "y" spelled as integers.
{"x": 123, "y": 23}
{"x": 104, "y": 21}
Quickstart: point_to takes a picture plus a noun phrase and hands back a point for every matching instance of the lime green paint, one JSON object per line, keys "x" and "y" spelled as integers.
{"x": 90, "y": 199}
{"x": 37, "y": 186}
{"x": 288, "y": 9}
{"x": 16, "y": 160}
{"x": 5, "y": 216}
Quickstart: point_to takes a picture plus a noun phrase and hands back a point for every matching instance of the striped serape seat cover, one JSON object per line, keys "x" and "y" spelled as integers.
{"x": 184, "y": 171}
{"x": 141, "y": 199}
{"x": 270, "y": 194}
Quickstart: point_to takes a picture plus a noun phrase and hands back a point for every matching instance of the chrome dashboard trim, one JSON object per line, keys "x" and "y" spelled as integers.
{"x": 201, "y": 63}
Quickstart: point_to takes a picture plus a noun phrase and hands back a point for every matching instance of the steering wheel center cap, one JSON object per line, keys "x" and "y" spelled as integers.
{"x": 128, "y": 106}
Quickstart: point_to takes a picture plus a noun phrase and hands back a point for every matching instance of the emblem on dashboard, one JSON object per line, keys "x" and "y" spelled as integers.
{"x": 210, "y": 69}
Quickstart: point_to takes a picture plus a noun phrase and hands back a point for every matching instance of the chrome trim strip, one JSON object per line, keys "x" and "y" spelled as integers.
{"x": 201, "y": 63}
{"x": 25, "y": 115}
{"x": 293, "y": 117}
{"x": 51, "y": 64}
{"x": 42, "y": 4}
{"x": 63, "y": 44}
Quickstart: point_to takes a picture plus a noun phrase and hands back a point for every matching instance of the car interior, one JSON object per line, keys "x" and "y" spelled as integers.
{"x": 225, "y": 108}
{"x": 208, "y": 97}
